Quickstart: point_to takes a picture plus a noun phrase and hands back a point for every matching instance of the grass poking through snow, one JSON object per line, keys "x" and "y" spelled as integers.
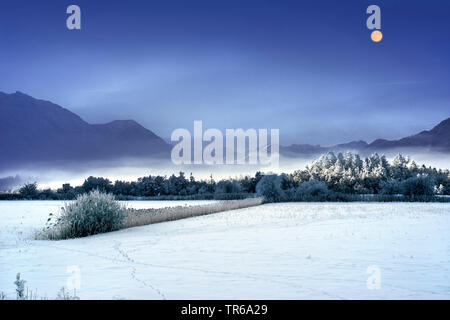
{"x": 141, "y": 217}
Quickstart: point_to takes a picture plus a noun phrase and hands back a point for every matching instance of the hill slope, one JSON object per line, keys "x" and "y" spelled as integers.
{"x": 36, "y": 130}
{"x": 437, "y": 138}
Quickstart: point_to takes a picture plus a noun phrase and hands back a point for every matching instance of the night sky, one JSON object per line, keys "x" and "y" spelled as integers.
{"x": 307, "y": 68}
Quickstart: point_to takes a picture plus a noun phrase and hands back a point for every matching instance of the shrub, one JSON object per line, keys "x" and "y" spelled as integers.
{"x": 312, "y": 190}
{"x": 269, "y": 187}
{"x": 89, "y": 214}
{"x": 417, "y": 186}
{"x": 48, "y": 194}
{"x": 228, "y": 186}
{"x": 29, "y": 191}
{"x": 390, "y": 186}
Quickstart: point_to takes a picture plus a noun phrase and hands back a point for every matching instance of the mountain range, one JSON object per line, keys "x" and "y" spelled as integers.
{"x": 436, "y": 139}
{"x": 38, "y": 131}
{"x": 33, "y": 131}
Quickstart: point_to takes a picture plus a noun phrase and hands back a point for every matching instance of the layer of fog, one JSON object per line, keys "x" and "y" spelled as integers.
{"x": 55, "y": 174}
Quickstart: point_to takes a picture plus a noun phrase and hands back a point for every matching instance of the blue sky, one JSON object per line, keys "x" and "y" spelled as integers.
{"x": 307, "y": 68}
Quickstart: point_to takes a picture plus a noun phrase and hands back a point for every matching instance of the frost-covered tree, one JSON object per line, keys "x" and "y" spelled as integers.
{"x": 312, "y": 190}
{"x": 349, "y": 173}
{"x": 29, "y": 191}
{"x": 269, "y": 187}
{"x": 97, "y": 183}
{"x": 439, "y": 190}
{"x": 417, "y": 186}
{"x": 228, "y": 186}
{"x": 390, "y": 187}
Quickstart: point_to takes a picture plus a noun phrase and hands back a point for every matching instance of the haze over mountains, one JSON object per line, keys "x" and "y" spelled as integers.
{"x": 37, "y": 131}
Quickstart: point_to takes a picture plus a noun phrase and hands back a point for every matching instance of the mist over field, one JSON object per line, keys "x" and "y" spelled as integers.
{"x": 131, "y": 169}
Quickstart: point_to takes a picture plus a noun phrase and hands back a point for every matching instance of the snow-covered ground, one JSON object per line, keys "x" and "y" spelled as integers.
{"x": 274, "y": 251}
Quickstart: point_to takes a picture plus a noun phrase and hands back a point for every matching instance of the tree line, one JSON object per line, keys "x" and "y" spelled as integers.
{"x": 331, "y": 177}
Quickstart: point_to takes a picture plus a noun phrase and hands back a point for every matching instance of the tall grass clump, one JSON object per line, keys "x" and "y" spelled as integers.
{"x": 20, "y": 287}
{"x": 89, "y": 214}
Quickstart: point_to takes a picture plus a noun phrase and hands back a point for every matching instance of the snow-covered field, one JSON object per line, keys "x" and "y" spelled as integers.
{"x": 274, "y": 251}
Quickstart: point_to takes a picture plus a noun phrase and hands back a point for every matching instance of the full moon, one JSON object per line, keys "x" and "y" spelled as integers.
{"x": 376, "y": 36}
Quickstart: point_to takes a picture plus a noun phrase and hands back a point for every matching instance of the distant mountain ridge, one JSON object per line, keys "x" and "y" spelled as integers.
{"x": 436, "y": 139}
{"x": 33, "y": 130}
{"x": 308, "y": 149}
